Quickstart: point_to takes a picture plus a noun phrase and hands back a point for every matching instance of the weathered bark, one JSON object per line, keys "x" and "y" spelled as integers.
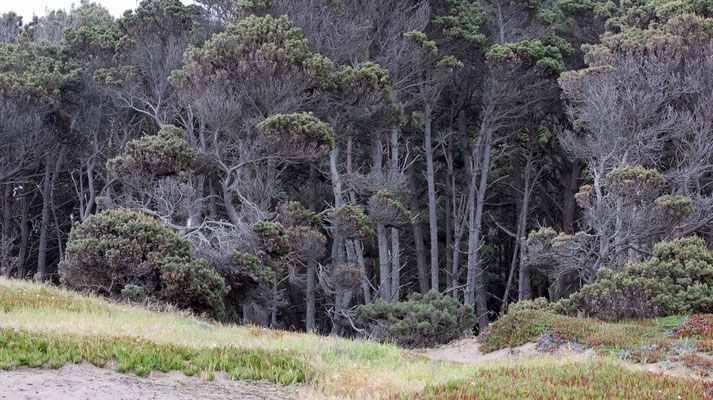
{"x": 381, "y": 237}
{"x": 44, "y": 226}
{"x": 475, "y": 293}
{"x": 432, "y": 205}
{"x": 395, "y": 234}
{"x": 7, "y": 226}
{"x": 24, "y": 235}
{"x": 417, "y": 231}
{"x": 310, "y": 309}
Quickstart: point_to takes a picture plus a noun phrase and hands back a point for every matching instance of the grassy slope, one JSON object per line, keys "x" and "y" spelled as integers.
{"x": 44, "y": 325}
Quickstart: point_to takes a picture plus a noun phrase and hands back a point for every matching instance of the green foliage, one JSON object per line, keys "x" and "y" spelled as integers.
{"x": 674, "y": 281}
{"x": 277, "y": 41}
{"x": 422, "y": 41}
{"x": 117, "y": 248}
{"x": 298, "y": 129}
{"x": 273, "y": 237}
{"x": 350, "y": 222}
{"x": 293, "y": 213}
{"x": 547, "y": 58}
{"x": 20, "y": 347}
{"x": 422, "y": 320}
{"x": 251, "y": 266}
{"x": 42, "y": 70}
{"x": 450, "y": 62}
{"x": 539, "y": 304}
{"x": 159, "y": 155}
{"x": 366, "y": 76}
{"x": 464, "y": 19}
{"x": 385, "y": 209}
{"x": 676, "y": 204}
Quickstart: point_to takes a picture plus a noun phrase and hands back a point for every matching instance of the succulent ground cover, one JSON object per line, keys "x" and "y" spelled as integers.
{"x": 644, "y": 340}
{"x": 594, "y": 380}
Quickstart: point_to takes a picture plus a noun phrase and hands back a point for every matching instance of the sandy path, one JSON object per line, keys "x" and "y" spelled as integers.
{"x": 468, "y": 351}
{"x": 85, "y": 381}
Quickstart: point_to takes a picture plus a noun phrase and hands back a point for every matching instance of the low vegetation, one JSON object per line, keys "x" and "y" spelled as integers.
{"x": 594, "y": 380}
{"x": 46, "y": 326}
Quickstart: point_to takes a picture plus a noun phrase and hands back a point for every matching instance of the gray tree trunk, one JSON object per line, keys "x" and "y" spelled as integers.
{"x": 432, "y": 206}
{"x": 417, "y": 232}
{"x": 475, "y": 293}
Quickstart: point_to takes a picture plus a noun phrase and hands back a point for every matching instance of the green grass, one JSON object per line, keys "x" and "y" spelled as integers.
{"x": 601, "y": 379}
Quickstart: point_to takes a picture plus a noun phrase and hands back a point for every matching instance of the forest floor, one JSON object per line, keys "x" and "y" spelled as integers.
{"x": 57, "y": 344}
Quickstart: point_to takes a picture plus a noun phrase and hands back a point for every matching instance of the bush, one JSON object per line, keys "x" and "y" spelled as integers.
{"x": 124, "y": 254}
{"x": 422, "y": 321}
{"x": 273, "y": 238}
{"x": 386, "y": 210}
{"x": 539, "y": 304}
{"x": 163, "y": 154}
{"x": 350, "y": 222}
{"x": 674, "y": 281}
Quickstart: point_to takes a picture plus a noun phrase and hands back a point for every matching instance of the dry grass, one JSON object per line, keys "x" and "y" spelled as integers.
{"x": 340, "y": 368}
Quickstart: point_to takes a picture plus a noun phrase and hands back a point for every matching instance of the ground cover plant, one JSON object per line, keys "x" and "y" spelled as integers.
{"x": 643, "y": 340}
{"x": 595, "y": 380}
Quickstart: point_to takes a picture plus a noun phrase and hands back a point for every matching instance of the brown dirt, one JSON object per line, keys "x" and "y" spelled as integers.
{"x": 85, "y": 381}
{"x": 468, "y": 351}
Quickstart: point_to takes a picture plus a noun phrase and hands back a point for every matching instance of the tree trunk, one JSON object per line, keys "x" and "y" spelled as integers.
{"x": 475, "y": 284}
{"x": 417, "y": 231}
{"x": 44, "y": 226}
{"x": 432, "y": 206}
{"x": 382, "y": 239}
{"x": 24, "y": 235}
{"x": 310, "y": 315}
{"x": 7, "y": 201}
{"x": 395, "y": 234}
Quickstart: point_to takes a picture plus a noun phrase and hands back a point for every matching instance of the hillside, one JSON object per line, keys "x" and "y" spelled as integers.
{"x": 48, "y": 328}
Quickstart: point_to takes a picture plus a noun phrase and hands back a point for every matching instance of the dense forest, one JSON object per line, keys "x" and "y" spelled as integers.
{"x": 287, "y": 162}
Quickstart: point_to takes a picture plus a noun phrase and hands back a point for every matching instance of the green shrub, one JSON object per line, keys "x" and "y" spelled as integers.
{"x": 423, "y": 320}
{"x": 350, "y": 222}
{"x": 122, "y": 254}
{"x": 539, "y": 304}
{"x": 676, "y": 280}
{"x": 273, "y": 237}
{"x": 163, "y": 154}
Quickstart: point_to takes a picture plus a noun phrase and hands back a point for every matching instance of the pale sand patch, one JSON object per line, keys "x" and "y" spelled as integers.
{"x": 468, "y": 351}
{"x": 85, "y": 381}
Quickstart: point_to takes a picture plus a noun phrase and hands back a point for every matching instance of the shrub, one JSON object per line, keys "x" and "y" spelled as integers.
{"x": 386, "y": 210}
{"x": 163, "y": 154}
{"x": 250, "y": 265}
{"x": 539, "y": 304}
{"x": 423, "y": 320}
{"x": 124, "y": 254}
{"x": 350, "y": 222}
{"x": 674, "y": 281}
{"x": 273, "y": 237}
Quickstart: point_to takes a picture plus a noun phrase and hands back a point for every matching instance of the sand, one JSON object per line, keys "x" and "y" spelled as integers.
{"x": 85, "y": 381}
